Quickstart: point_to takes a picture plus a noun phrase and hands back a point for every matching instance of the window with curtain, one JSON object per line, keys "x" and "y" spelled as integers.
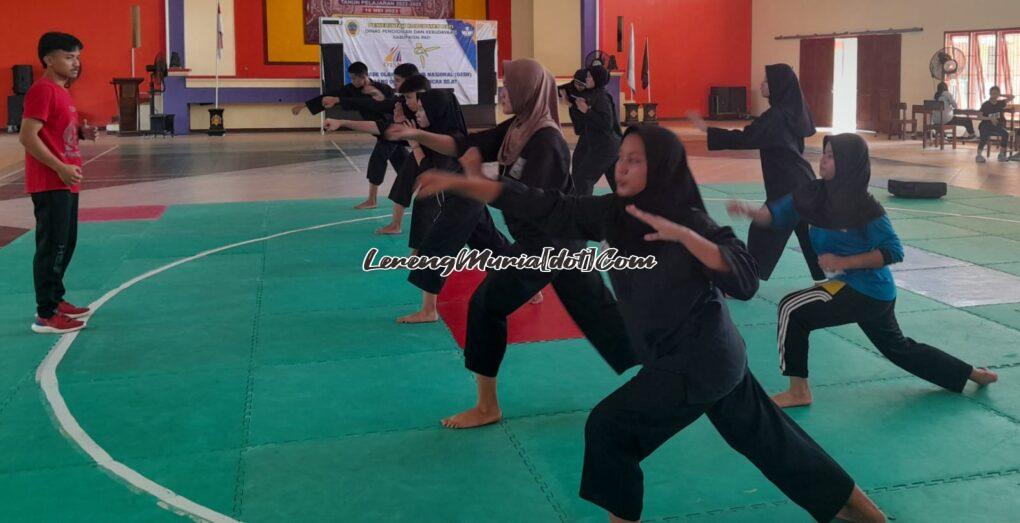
{"x": 993, "y": 58}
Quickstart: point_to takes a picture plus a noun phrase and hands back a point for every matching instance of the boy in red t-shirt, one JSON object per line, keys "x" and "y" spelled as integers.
{"x": 50, "y": 134}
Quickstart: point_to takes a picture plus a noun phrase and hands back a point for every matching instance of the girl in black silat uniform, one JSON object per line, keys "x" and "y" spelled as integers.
{"x": 530, "y": 148}
{"x": 597, "y": 124}
{"x": 460, "y": 221}
{"x": 779, "y": 135}
{"x": 693, "y": 358}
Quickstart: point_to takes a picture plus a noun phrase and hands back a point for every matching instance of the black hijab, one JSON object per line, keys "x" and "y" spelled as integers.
{"x": 669, "y": 191}
{"x": 571, "y": 90}
{"x": 843, "y": 202}
{"x": 600, "y": 75}
{"x": 443, "y": 111}
{"x": 786, "y": 97}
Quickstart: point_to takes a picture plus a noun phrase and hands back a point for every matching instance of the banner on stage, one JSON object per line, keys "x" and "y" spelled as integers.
{"x": 316, "y": 9}
{"x": 445, "y": 50}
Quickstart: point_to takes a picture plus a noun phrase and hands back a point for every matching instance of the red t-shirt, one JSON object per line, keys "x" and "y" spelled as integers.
{"x": 52, "y": 105}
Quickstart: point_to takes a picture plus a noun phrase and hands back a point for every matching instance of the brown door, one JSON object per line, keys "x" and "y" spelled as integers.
{"x": 878, "y": 79}
{"x": 816, "y": 65}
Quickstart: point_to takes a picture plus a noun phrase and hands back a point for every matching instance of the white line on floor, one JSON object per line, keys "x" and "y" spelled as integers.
{"x": 343, "y": 152}
{"x": 19, "y": 171}
{"x": 940, "y": 213}
{"x": 46, "y": 375}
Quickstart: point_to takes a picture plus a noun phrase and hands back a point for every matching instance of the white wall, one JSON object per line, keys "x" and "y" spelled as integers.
{"x": 200, "y": 37}
{"x": 770, "y": 18}
{"x": 548, "y": 31}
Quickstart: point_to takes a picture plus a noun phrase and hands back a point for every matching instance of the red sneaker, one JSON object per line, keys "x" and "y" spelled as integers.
{"x": 57, "y": 324}
{"x": 71, "y": 311}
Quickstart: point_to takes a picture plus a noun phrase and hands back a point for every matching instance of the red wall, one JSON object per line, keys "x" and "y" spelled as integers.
{"x": 499, "y": 10}
{"x": 249, "y": 26}
{"x": 693, "y": 45}
{"x": 106, "y": 33}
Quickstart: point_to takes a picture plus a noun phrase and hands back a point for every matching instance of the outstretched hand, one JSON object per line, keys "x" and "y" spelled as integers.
{"x": 665, "y": 229}
{"x": 333, "y": 124}
{"x": 697, "y": 120}
{"x": 739, "y": 209}
{"x": 435, "y": 181}
{"x": 396, "y": 133}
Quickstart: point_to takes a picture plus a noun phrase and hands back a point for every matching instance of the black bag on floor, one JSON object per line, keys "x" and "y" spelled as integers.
{"x": 911, "y": 189}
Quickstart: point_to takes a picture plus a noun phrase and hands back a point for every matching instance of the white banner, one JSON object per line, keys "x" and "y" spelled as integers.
{"x": 446, "y": 51}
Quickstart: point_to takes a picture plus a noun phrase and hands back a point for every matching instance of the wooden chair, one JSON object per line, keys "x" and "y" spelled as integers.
{"x": 1009, "y": 122}
{"x": 931, "y": 107}
{"x": 915, "y": 111}
{"x": 897, "y": 125}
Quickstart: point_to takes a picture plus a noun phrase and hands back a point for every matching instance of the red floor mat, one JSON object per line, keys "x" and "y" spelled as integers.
{"x": 543, "y": 322}
{"x": 116, "y": 214}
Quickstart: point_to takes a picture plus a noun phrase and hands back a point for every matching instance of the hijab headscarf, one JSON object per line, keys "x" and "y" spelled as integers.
{"x": 532, "y": 92}
{"x": 844, "y": 201}
{"x": 581, "y": 75}
{"x": 670, "y": 190}
{"x": 600, "y": 75}
{"x": 443, "y": 111}
{"x": 786, "y": 97}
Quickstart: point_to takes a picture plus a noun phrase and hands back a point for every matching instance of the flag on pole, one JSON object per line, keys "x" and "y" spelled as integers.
{"x": 631, "y": 83}
{"x": 219, "y": 50}
{"x": 219, "y": 30}
{"x": 646, "y": 75}
{"x": 645, "y": 78}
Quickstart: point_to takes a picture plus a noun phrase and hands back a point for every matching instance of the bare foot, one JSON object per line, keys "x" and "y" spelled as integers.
{"x": 792, "y": 399}
{"x": 393, "y": 228}
{"x": 983, "y": 377}
{"x": 536, "y": 299}
{"x": 473, "y": 417}
{"x": 860, "y": 509}
{"x": 367, "y": 204}
{"x": 419, "y": 317}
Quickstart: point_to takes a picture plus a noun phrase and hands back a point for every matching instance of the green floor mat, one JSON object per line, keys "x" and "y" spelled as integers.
{"x": 270, "y": 383}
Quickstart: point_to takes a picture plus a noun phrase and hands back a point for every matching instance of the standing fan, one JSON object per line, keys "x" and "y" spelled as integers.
{"x": 157, "y": 73}
{"x": 159, "y": 123}
{"x": 947, "y": 62}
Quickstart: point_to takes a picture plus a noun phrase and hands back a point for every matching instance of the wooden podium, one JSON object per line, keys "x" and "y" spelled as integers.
{"x": 127, "y": 103}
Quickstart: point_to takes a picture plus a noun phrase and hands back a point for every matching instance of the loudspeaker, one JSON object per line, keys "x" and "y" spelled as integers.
{"x": 15, "y": 110}
{"x": 619, "y": 34}
{"x": 22, "y": 79}
{"x": 487, "y": 72}
{"x": 727, "y": 102}
{"x": 911, "y": 189}
{"x": 332, "y": 67}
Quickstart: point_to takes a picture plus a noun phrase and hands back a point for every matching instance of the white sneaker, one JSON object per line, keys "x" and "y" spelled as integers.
{"x": 979, "y": 159}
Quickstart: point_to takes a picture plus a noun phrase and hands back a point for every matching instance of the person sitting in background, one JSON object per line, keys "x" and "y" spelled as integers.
{"x": 992, "y": 123}
{"x": 946, "y": 116}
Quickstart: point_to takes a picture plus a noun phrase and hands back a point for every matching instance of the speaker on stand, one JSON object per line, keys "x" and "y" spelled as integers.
{"x": 727, "y": 103}
{"x": 22, "y": 78}
{"x": 22, "y": 81}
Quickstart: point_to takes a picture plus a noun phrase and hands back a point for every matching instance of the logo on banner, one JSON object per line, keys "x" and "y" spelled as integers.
{"x": 467, "y": 31}
{"x": 393, "y": 58}
{"x": 422, "y": 52}
{"x": 352, "y": 28}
